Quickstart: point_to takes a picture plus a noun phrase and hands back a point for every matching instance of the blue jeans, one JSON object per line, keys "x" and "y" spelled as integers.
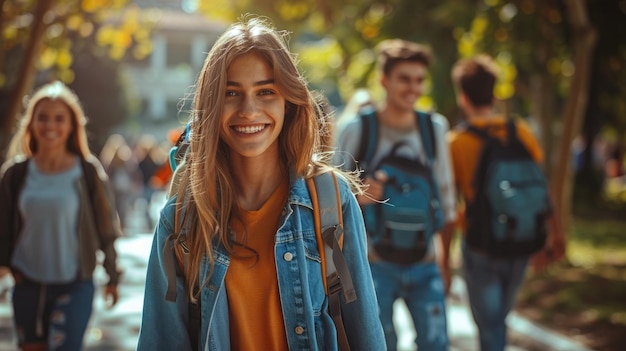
{"x": 53, "y": 314}
{"x": 492, "y": 287}
{"x": 421, "y": 287}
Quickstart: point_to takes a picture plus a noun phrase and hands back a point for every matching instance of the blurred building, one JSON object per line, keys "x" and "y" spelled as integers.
{"x": 163, "y": 83}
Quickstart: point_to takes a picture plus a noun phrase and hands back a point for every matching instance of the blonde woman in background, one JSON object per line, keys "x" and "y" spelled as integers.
{"x": 55, "y": 207}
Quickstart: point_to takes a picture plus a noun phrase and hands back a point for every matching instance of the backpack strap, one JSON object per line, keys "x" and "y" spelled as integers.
{"x": 427, "y": 132}
{"x": 178, "y": 151}
{"x": 369, "y": 136}
{"x": 481, "y": 169}
{"x": 511, "y": 131}
{"x": 490, "y": 142}
{"x": 324, "y": 193}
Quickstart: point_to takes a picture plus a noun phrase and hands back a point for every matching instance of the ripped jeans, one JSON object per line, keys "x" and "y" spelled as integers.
{"x": 421, "y": 287}
{"x": 54, "y": 314}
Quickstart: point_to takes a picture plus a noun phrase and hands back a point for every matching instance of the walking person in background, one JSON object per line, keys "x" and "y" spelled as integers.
{"x": 494, "y": 268}
{"x": 51, "y": 248}
{"x": 121, "y": 166}
{"x": 403, "y": 261}
{"x": 150, "y": 157}
{"x": 253, "y": 259}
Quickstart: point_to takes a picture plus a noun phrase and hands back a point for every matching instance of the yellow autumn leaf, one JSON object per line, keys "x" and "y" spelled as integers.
{"x": 508, "y": 71}
{"x": 89, "y": 5}
{"x": 141, "y": 34}
{"x": 123, "y": 38}
{"x": 74, "y": 22}
{"x": 47, "y": 58}
{"x": 466, "y": 45}
{"x": 10, "y": 33}
{"x": 131, "y": 23}
{"x": 492, "y": 3}
{"x": 116, "y": 52}
{"x": 86, "y": 29}
{"x": 479, "y": 25}
{"x": 105, "y": 35}
{"x": 504, "y": 90}
{"x": 66, "y": 75}
{"x": 425, "y": 103}
{"x": 64, "y": 59}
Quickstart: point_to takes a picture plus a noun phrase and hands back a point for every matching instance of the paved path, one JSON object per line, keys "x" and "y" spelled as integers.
{"x": 116, "y": 329}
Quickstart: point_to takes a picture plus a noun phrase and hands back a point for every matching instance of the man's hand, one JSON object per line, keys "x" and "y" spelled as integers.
{"x": 446, "y": 277}
{"x": 443, "y": 256}
{"x": 110, "y": 295}
{"x": 374, "y": 188}
{"x": 552, "y": 252}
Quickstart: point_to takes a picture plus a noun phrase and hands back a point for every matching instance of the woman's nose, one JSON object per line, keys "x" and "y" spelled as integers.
{"x": 248, "y": 107}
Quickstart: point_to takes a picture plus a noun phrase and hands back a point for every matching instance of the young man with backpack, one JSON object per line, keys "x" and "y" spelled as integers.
{"x": 508, "y": 213}
{"x": 410, "y": 196}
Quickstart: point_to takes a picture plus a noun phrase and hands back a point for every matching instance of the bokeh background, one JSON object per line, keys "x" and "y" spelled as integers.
{"x": 134, "y": 65}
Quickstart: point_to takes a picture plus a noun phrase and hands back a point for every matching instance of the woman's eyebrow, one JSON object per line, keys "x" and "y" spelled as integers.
{"x": 259, "y": 83}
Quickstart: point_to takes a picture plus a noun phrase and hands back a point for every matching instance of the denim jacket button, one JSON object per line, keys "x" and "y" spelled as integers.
{"x": 299, "y": 330}
{"x": 288, "y": 256}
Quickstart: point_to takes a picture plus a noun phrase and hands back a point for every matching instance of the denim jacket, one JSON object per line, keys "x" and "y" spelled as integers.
{"x": 304, "y": 303}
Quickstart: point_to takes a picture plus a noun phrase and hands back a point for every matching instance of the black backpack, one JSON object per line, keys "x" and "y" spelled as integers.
{"x": 401, "y": 228}
{"x": 508, "y": 216}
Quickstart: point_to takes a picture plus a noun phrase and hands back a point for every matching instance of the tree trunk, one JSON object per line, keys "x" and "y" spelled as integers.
{"x": 541, "y": 90}
{"x": 25, "y": 74}
{"x": 584, "y": 39}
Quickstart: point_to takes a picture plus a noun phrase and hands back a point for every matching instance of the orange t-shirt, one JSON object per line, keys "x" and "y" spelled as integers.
{"x": 465, "y": 149}
{"x": 256, "y": 318}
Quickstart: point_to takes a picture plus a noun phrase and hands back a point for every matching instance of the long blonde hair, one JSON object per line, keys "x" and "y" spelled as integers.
{"x": 23, "y": 143}
{"x": 207, "y": 185}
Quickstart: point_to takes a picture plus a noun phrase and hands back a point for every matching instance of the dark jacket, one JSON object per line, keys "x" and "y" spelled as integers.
{"x": 98, "y": 223}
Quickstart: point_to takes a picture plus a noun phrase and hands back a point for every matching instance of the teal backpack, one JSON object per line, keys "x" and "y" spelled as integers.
{"x": 508, "y": 216}
{"x": 402, "y": 227}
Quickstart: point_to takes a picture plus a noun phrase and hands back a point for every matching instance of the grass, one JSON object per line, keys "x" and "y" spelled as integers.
{"x": 585, "y": 295}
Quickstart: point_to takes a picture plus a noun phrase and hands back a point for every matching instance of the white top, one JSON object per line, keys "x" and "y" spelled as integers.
{"x": 47, "y": 247}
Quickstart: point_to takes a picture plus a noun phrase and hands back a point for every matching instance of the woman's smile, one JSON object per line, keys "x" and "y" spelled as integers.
{"x": 250, "y": 129}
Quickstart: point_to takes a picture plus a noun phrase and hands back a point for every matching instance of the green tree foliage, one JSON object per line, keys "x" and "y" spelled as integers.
{"x": 543, "y": 48}
{"x": 41, "y": 37}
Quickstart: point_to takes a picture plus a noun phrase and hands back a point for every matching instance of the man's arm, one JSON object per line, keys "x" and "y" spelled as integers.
{"x": 444, "y": 175}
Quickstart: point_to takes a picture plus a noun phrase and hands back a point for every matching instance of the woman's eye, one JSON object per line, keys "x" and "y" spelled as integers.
{"x": 266, "y": 92}
{"x": 231, "y": 93}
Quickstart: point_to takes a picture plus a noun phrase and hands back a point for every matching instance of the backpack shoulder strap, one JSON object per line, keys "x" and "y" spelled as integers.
{"x": 176, "y": 254}
{"x": 489, "y": 144}
{"x": 369, "y": 135}
{"x": 324, "y": 192}
{"x": 427, "y": 132}
{"x": 90, "y": 174}
{"x": 178, "y": 151}
{"x": 511, "y": 130}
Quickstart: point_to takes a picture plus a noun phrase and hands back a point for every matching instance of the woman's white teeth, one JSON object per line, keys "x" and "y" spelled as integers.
{"x": 250, "y": 129}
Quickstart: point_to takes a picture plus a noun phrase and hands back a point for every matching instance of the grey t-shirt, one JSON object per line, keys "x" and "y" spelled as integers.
{"x": 47, "y": 248}
{"x": 349, "y": 138}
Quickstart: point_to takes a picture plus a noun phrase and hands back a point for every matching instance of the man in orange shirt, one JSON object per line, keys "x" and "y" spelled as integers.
{"x": 492, "y": 280}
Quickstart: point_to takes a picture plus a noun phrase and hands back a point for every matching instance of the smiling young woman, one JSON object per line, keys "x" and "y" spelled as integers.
{"x": 248, "y": 216}
{"x": 51, "y": 249}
